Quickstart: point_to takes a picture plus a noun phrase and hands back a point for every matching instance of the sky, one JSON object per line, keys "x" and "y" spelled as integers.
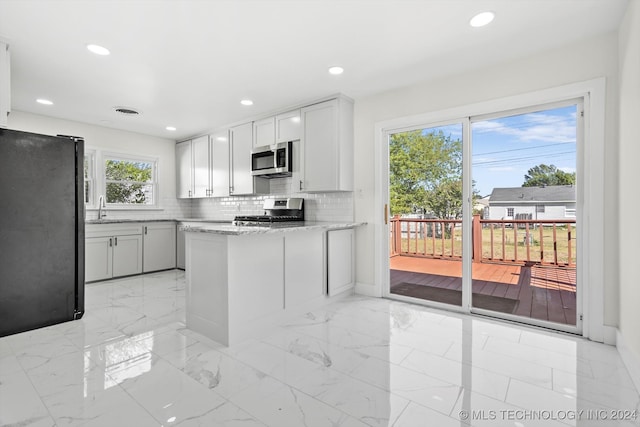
{"x": 503, "y": 149}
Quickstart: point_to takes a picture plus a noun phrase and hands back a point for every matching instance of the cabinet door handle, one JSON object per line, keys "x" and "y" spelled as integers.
{"x": 145, "y": 229}
{"x": 300, "y": 184}
{"x": 110, "y": 242}
{"x": 189, "y": 193}
{"x": 116, "y": 240}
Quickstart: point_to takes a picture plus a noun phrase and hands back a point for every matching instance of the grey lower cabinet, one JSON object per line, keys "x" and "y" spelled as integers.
{"x": 112, "y": 250}
{"x": 159, "y": 248}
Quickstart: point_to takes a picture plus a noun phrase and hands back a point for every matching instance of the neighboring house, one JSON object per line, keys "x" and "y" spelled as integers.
{"x": 482, "y": 205}
{"x": 546, "y": 203}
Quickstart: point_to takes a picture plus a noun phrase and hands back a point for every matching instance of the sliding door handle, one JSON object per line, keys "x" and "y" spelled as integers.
{"x": 386, "y": 214}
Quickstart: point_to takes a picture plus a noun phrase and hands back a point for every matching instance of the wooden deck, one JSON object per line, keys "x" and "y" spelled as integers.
{"x": 542, "y": 292}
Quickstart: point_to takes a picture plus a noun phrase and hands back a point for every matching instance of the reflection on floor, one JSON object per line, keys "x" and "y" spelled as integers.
{"x": 358, "y": 362}
{"x": 541, "y": 292}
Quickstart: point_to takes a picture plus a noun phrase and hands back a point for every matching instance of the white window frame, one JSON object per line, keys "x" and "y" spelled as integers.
{"x": 591, "y": 153}
{"x": 130, "y": 158}
{"x": 98, "y": 160}
{"x": 90, "y": 157}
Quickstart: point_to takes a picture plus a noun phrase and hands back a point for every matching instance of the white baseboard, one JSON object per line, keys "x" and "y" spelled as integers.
{"x": 631, "y": 360}
{"x": 610, "y": 334}
{"x": 367, "y": 289}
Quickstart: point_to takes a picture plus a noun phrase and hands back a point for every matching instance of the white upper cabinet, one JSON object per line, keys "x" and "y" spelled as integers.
{"x": 288, "y": 126}
{"x": 264, "y": 132}
{"x": 326, "y": 146}
{"x": 281, "y": 128}
{"x": 242, "y": 182}
{"x": 184, "y": 172}
{"x": 201, "y": 167}
{"x": 5, "y": 84}
{"x": 219, "y": 164}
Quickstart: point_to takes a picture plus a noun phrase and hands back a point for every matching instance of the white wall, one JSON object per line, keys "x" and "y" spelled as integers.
{"x": 587, "y": 60}
{"x": 102, "y": 138}
{"x": 629, "y": 51}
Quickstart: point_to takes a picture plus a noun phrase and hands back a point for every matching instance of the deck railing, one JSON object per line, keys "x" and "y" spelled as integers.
{"x": 550, "y": 242}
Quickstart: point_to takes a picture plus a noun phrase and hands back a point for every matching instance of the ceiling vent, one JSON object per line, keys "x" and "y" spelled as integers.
{"x": 126, "y": 111}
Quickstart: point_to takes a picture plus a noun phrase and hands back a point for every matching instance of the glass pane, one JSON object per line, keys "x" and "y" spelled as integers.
{"x": 426, "y": 206}
{"x": 524, "y": 228}
{"x": 126, "y": 170}
{"x": 87, "y": 191}
{"x": 129, "y": 193}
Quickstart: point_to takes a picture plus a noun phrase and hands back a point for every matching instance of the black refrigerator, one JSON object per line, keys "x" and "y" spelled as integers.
{"x": 41, "y": 230}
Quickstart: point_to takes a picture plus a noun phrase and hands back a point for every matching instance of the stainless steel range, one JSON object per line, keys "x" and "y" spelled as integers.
{"x": 275, "y": 211}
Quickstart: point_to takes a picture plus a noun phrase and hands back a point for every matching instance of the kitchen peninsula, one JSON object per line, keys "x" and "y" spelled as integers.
{"x": 241, "y": 280}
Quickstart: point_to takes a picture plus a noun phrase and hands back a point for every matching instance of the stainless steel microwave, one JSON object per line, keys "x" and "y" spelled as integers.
{"x": 272, "y": 161}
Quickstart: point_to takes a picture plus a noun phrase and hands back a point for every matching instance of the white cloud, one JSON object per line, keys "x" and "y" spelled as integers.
{"x": 539, "y": 127}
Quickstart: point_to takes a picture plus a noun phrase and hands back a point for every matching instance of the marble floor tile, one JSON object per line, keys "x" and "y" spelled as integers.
{"x": 356, "y": 362}
{"x": 167, "y": 394}
{"x": 280, "y": 405}
{"x": 20, "y": 404}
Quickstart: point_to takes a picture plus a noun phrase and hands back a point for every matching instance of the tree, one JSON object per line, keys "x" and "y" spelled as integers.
{"x": 542, "y": 175}
{"x": 425, "y": 174}
{"x": 127, "y": 181}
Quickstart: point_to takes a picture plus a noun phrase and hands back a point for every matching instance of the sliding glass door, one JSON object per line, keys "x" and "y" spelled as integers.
{"x": 524, "y": 167}
{"x": 426, "y": 203}
{"x": 484, "y": 214}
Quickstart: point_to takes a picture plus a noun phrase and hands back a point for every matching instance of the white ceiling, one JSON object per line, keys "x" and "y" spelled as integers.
{"x": 189, "y": 63}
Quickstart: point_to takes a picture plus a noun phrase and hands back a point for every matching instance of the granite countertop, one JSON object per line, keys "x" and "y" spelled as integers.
{"x": 234, "y": 230}
{"x": 122, "y": 221}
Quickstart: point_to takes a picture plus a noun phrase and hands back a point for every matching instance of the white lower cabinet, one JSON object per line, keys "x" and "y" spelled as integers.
{"x": 239, "y": 285}
{"x": 98, "y": 258}
{"x": 127, "y": 255}
{"x": 180, "y": 259}
{"x": 125, "y": 249}
{"x": 340, "y": 261}
{"x": 304, "y": 272}
{"x": 112, "y": 250}
{"x": 159, "y": 249}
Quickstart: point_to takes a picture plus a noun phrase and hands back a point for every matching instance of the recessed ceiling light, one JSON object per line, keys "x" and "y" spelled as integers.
{"x": 482, "y": 19}
{"x": 246, "y": 102}
{"x": 336, "y": 70}
{"x": 44, "y": 101}
{"x": 221, "y": 138}
{"x": 171, "y": 128}
{"x": 98, "y": 50}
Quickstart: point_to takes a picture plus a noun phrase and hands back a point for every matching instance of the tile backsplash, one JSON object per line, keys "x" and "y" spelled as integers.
{"x": 171, "y": 208}
{"x": 334, "y": 207}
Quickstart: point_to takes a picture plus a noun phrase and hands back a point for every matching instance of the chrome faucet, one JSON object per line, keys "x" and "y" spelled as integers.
{"x": 101, "y": 205}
